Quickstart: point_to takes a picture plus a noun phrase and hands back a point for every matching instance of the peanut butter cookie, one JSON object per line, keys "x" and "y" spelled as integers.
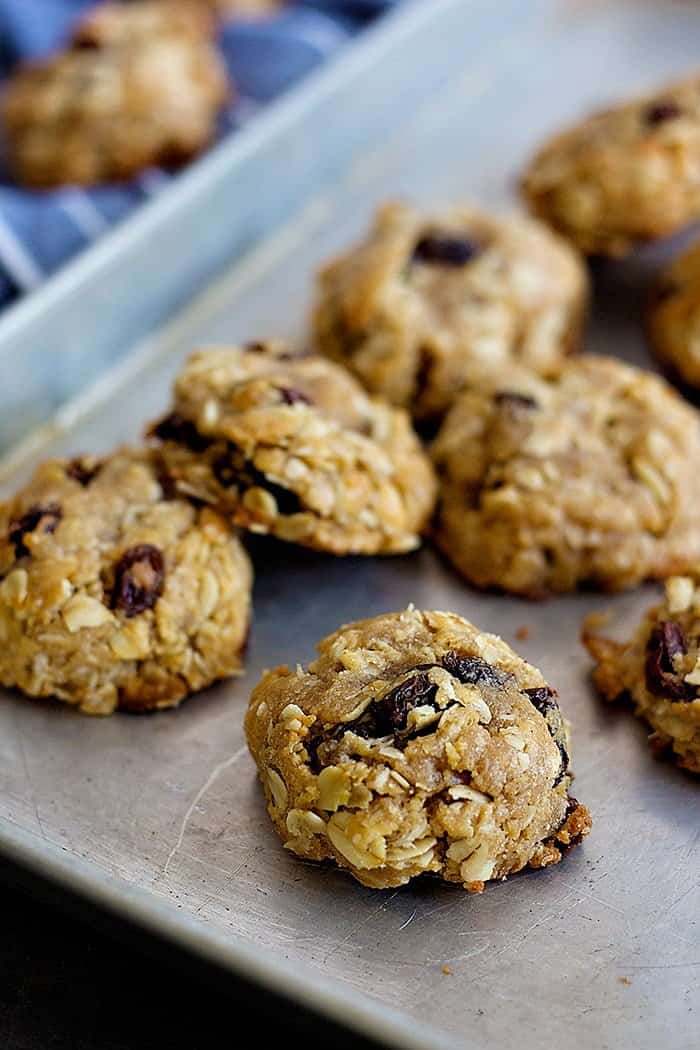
{"x": 426, "y": 302}
{"x": 415, "y": 743}
{"x": 659, "y": 669}
{"x": 139, "y": 85}
{"x": 113, "y": 594}
{"x": 591, "y": 478}
{"x": 624, "y": 175}
{"x": 292, "y": 446}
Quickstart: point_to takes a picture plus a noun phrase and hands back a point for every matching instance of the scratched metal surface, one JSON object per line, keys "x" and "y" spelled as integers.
{"x": 162, "y": 817}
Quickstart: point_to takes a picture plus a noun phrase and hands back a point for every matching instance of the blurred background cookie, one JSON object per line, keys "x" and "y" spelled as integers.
{"x": 674, "y": 317}
{"x": 623, "y": 175}
{"x": 140, "y": 84}
{"x": 589, "y": 478}
{"x": 427, "y": 301}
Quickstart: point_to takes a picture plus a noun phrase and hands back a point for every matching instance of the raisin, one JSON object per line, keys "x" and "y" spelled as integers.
{"x": 139, "y": 576}
{"x": 473, "y": 671}
{"x": 660, "y": 112}
{"x": 47, "y": 517}
{"x": 393, "y": 709}
{"x": 666, "y": 641}
{"x": 225, "y": 471}
{"x": 542, "y": 698}
{"x": 232, "y": 469}
{"x": 290, "y": 396}
{"x": 512, "y": 400}
{"x": 82, "y": 470}
{"x": 182, "y": 432}
{"x": 444, "y": 250}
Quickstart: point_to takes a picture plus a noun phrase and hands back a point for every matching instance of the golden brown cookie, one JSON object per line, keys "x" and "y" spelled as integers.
{"x": 589, "y": 478}
{"x": 416, "y": 743}
{"x": 292, "y": 446}
{"x": 659, "y": 669}
{"x": 623, "y": 175}
{"x": 140, "y": 84}
{"x": 112, "y": 593}
{"x": 428, "y": 301}
{"x": 674, "y": 317}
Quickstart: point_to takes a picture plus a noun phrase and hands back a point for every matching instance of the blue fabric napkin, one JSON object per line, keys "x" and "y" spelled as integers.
{"x": 39, "y": 231}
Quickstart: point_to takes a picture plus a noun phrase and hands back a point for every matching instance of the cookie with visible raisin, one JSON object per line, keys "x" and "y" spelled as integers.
{"x": 624, "y": 175}
{"x": 590, "y": 477}
{"x": 427, "y": 301}
{"x": 138, "y": 85}
{"x": 112, "y": 594}
{"x": 674, "y": 317}
{"x": 416, "y": 744}
{"x": 293, "y": 447}
{"x": 659, "y": 670}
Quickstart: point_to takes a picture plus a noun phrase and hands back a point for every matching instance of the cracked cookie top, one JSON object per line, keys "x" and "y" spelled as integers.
{"x": 416, "y": 743}
{"x": 138, "y": 85}
{"x": 292, "y": 446}
{"x": 113, "y": 593}
{"x": 623, "y": 175}
{"x": 427, "y": 301}
{"x": 590, "y": 477}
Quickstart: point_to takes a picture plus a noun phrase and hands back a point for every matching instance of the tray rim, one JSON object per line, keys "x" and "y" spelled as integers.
{"x": 364, "y": 48}
{"x": 120, "y": 898}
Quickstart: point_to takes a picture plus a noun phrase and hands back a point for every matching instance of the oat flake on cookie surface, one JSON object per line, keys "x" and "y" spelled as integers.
{"x": 415, "y": 744}
{"x": 114, "y": 594}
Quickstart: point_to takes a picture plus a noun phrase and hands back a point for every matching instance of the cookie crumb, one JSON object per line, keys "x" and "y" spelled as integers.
{"x": 624, "y": 980}
{"x": 446, "y": 969}
{"x": 523, "y": 633}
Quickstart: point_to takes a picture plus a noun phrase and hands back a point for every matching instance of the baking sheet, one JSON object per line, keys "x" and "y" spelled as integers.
{"x": 161, "y": 817}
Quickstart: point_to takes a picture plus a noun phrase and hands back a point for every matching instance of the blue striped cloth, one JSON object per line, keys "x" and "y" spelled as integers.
{"x": 41, "y": 230}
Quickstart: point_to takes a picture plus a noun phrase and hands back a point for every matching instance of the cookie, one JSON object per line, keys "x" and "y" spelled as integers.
{"x": 624, "y": 175}
{"x": 293, "y": 447}
{"x": 427, "y": 301}
{"x": 415, "y": 744}
{"x": 674, "y": 317}
{"x": 113, "y": 593}
{"x": 245, "y": 8}
{"x": 139, "y": 85}
{"x": 587, "y": 478}
{"x": 659, "y": 670}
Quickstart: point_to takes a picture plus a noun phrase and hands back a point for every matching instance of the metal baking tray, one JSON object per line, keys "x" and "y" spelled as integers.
{"x": 161, "y": 819}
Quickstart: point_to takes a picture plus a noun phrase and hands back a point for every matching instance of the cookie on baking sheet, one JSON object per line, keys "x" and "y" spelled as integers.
{"x": 245, "y": 8}
{"x": 428, "y": 300}
{"x": 113, "y": 593}
{"x": 292, "y": 446}
{"x": 674, "y": 316}
{"x": 590, "y": 478}
{"x": 416, "y": 743}
{"x": 659, "y": 669}
{"x": 623, "y": 175}
{"x": 140, "y": 84}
